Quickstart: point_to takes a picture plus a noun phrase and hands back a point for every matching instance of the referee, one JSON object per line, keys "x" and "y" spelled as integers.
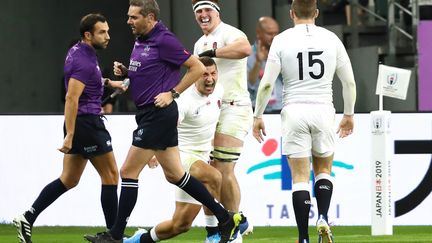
{"x": 155, "y": 81}
{"x": 85, "y": 136}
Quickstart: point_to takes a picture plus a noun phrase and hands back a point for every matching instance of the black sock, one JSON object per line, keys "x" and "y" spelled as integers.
{"x": 47, "y": 196}
{"x": 109, "y": 201}
{"x": 323, "y": 193}
{"x": 302, "y": 203}
{"x": 128, "y": 198}
{"x": 146, "y": 238}
{"x": 211, "y": 230}
{"x": 198, "y": 191}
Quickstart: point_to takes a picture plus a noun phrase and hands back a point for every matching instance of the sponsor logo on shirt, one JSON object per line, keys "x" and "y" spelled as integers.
{"x": 134, "y": 65}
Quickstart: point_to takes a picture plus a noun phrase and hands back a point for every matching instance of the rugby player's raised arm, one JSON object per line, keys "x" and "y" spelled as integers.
{"x": 195, "y": 70}
{"x": 240, "y": 48}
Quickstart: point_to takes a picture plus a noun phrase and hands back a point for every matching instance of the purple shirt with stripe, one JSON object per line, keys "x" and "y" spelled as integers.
{"x": 81, "y": 64}
{"x": 155, "y": 63}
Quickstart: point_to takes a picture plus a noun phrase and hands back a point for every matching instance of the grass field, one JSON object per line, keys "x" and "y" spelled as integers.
{"x": 343, "y": 234}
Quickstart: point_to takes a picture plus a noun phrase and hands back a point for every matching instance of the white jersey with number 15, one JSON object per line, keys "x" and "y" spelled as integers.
{"x": 309, "y": 56}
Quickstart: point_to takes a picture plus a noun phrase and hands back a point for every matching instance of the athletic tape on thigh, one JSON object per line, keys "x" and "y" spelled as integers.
{"x": 226, "y": 154}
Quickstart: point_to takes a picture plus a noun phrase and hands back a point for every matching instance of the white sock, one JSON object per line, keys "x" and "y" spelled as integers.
{"x": 153, "y": 235}
{"x": 323, "y": 176}
{"x": 211, "y": 220}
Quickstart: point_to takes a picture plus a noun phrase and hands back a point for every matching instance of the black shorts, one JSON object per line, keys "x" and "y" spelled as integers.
{"x": 157, "y": 127}
{"x": 91, "y": 137}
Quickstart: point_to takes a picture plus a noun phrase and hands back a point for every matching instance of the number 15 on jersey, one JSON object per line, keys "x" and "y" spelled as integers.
{"x": 314, "y": 59}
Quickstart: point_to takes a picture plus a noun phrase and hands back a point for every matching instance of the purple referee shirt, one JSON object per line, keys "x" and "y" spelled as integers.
{"x": 81, "y": 63}
{"x": 155, "y": 63}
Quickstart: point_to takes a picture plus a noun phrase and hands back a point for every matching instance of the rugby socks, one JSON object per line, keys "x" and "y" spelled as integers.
{"x": 148, "y": 237}
{"x": 323, "y": 192}
{"x": 128, "y": 198}
{"x": 109, "y": 201}
{"x": 211, "y": 224}
{"x": 302, "y": 203}
{"x": 153, "y": 235}
{"x": 211, "y": 230}
{"x": 198, "y": 191}
{"x": 47, "y": 196}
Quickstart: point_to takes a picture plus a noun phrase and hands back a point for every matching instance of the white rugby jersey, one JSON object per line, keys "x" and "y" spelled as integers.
{"x": 232, "y": 72}
{"x": 308, "y": 56}
{"x": 198, "y": 116}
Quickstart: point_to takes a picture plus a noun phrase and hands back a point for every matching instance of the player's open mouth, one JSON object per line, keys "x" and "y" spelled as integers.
{"x": 205, "y": 20}
{"x": 210, "y": 86}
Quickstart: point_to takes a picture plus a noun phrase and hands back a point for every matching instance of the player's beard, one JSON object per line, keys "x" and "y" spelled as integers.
{"x": 99, "y": 46}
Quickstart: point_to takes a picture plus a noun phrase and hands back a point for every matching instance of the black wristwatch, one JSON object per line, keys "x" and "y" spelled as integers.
{"x": 174, "y": 94}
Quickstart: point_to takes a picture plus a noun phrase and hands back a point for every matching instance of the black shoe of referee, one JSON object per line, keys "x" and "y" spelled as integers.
{"x": 102, "y": 237}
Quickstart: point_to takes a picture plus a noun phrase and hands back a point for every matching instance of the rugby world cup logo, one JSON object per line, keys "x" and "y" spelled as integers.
{"x": 377, "y": 125}
{"x": 392, "y": 79}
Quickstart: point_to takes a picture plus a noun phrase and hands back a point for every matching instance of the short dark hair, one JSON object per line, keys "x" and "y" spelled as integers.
{"x": 88, "y": 22}
{"x": 304, "y": 9}
{"x": 147, "y": 7}
{"x": 208, "y": 61}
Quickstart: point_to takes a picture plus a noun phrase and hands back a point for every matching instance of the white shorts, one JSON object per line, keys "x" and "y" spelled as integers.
{"x": 188, "y": 159}
{"x": 235, "y": 120}
{"x": 308, "y": 129}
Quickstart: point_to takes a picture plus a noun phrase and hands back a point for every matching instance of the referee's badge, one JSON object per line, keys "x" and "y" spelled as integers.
{"x": 146, "y": 51}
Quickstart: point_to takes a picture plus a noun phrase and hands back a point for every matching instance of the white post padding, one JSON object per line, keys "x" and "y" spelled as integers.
{"x": 382, "y": 209}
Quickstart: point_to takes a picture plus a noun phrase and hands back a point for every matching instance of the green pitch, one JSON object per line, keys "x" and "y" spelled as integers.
{"x": 342, "y": 234}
